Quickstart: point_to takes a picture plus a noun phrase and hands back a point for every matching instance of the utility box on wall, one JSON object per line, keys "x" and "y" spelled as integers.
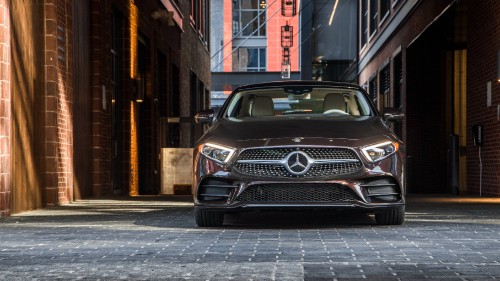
{"x": 176, "y": 171}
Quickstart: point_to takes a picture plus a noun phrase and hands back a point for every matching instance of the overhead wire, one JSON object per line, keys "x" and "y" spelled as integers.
{"x": 267, "y": 19}
{"x": 248, "y": 24}
{"x": 247, "y": 38}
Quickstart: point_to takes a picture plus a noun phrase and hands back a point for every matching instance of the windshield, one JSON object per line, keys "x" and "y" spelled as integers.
{"x": 298, "y": 101}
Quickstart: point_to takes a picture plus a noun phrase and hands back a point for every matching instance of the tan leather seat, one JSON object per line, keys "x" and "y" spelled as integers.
{"x": 334, "y": 101}
{"x": 262, "y": 106}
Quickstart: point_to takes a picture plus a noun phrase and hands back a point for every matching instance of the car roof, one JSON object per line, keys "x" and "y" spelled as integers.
{"x": 297, "y": 83}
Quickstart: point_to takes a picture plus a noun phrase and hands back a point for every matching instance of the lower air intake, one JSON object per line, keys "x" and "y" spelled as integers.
{"x": 297, "y": 193}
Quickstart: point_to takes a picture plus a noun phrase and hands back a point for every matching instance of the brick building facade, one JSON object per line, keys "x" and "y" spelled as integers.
{"x": 90, "y": 93}
{"x": 483, "y": 57}
{"x": 434, "y": 60}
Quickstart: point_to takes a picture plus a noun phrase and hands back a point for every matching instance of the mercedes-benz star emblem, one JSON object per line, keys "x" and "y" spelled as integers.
{"x": 297, "y": 163}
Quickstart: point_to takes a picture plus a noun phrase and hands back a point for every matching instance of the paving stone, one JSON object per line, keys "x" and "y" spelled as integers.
{"x": 149, "y": 239}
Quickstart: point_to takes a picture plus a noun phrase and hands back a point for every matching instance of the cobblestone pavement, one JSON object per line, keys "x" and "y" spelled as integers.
{"x": 156, "y": 239}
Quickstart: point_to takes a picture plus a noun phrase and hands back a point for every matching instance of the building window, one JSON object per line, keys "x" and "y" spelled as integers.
{"x": 385, "y": 80}
{"x": 364, "y": 22}
{"x": 199, "y": 18}
{"x": 249, "y": 59}
{"x": 249, "y": 18}
{"x": 385, "y": 8}
{"x": 373, "y": 16}
{"x": 372, "y": 89}
{"x": 385, "y": 86}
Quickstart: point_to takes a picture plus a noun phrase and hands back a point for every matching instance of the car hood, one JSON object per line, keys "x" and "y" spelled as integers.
{"x": 246, "y": 132}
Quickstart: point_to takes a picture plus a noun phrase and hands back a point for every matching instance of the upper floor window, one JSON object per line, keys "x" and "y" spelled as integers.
{"x": 249, "y": 18}
{"x": 249, "y": 59}
{"x": 373, "y": 16}
{"x": 364, "y": 22}
{"x": 199, "y": 17}
{"x": 385, "y": 80}
{"x": 385, "y": 8}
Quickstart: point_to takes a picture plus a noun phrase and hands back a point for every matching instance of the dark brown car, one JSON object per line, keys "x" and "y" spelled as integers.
{"x": 294, "y": 145}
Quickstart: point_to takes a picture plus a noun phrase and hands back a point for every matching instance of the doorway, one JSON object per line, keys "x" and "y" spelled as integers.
{"x": 428, "y": 110}
{"x": 435, "y": 105}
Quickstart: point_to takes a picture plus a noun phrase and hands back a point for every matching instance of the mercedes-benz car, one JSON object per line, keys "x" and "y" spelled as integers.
{"x": 298, "y": 145}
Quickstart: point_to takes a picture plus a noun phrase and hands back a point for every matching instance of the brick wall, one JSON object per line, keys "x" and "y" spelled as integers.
{"x": 194, "y": 58}
{"x": 416, "y": 130}
{"x": 58, "y": 100}
{"x": 5, "y": 114}
{"x": 482, "y": 47}
{"x": 101, "y": 117}
{"x": 50, "y": 92}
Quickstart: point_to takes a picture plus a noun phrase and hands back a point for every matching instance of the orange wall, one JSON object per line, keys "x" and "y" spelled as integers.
{"x": 228, "y": 34}
{"x": 274, "y": 49}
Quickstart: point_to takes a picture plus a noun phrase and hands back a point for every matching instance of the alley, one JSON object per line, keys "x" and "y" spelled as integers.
{"x": 155, "y": 238}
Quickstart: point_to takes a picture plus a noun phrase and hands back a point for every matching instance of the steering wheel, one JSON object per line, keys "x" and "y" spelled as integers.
{"x": 330, "y": 111}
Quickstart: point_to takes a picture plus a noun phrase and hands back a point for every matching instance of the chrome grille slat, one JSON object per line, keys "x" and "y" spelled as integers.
{"x": 297, "y": 193}
{"x": 269, "y": 162}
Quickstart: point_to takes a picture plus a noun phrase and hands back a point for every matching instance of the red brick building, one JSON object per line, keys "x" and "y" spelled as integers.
{"x": 90, "y": 93}
{"x": 438, "y": 62}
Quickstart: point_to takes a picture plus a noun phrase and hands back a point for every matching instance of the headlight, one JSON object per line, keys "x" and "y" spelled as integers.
{"x": 217, "y": 153}
{"x": 377, "y": 152}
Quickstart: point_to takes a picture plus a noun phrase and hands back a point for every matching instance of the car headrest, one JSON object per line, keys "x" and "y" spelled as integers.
{"x": 334, "y": 101}
{"x": 262, "y": 106}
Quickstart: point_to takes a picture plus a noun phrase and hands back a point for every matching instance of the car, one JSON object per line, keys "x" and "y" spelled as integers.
{"x": 298, "y": 145}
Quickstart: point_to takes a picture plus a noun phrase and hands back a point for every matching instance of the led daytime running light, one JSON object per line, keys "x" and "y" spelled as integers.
{"x": 217, "y": 153}
{"x": 377, "y": 152}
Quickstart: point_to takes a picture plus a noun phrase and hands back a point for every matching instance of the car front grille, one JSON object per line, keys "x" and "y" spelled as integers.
{"x": 271, "y": 162}
{"x": 297, "y": 193}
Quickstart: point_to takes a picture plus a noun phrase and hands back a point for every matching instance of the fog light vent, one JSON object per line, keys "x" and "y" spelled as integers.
{"x": 215, "y": 190}
{"x": 382, "y": 189}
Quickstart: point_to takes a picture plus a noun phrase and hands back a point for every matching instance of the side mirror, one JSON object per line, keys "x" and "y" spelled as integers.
{"x": 204, "y": 117}
{"x": 393, "y": 114}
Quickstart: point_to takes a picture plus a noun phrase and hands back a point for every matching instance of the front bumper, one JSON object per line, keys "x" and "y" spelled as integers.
{"x": 375, "y": 187}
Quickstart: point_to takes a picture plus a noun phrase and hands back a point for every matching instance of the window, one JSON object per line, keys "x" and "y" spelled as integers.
{"x": 199, "y": 18}
{"x": 194, "y": 11}
{"x": 372, "y": 89}
{"x": 364, "y": 22}
{"x": 249, "y": 59}
{"x": 373, "y": 16}
{"x": 385, "y": 86}
{"x": 249, "y": 18}
{"x": 385, "y": 6}
{"x": 385, "y": 80}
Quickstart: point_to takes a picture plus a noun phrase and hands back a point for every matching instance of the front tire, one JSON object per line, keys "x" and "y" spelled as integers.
{"x": 391, "y": 217}
{"x": 206, "y": 218}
